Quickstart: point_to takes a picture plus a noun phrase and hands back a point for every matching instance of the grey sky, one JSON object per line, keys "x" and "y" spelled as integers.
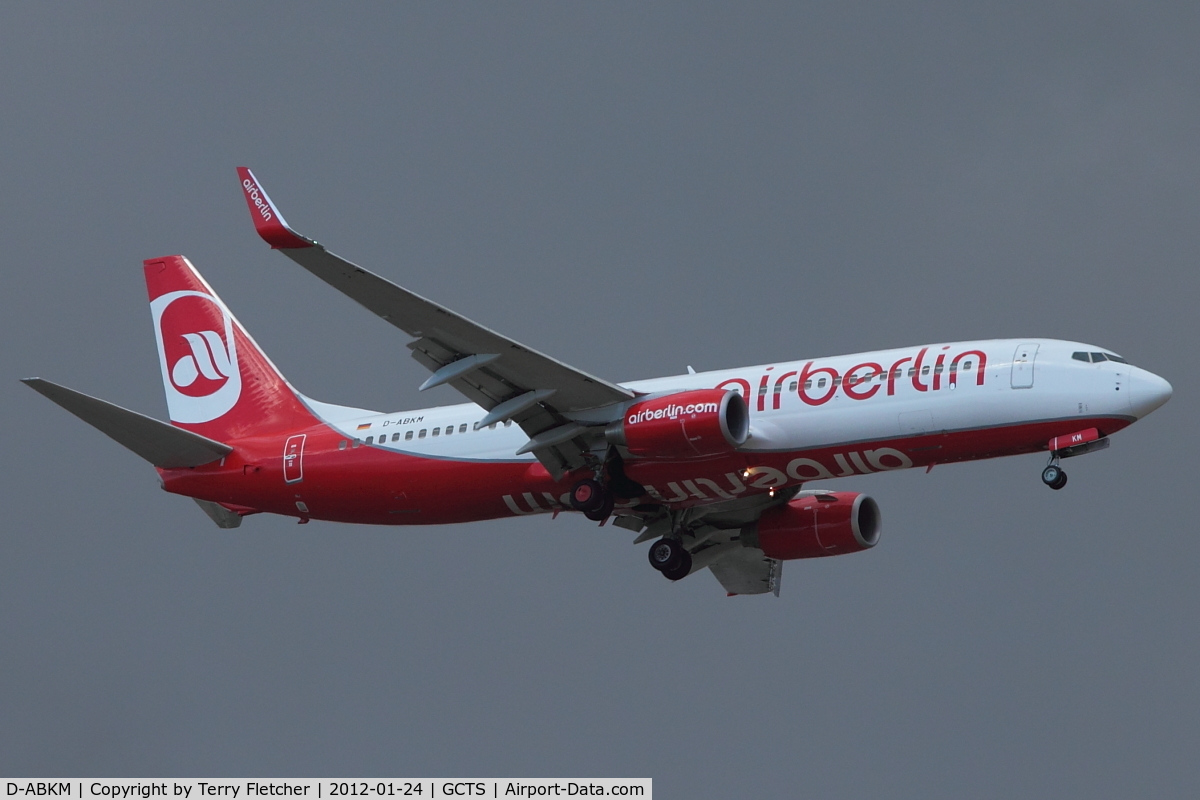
{"x": 631, "y": 188}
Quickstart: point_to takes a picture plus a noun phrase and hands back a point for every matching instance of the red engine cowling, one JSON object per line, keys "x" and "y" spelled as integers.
{"x": 695, "y": 424}
{"x": 816, "y": 525}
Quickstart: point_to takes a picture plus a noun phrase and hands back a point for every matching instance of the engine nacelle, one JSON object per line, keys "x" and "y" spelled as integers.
{"x": 816, "y": 525}
{"x": 694, "y": 424}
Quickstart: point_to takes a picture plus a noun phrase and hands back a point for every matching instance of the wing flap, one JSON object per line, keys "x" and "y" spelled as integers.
{"x": 160, "y": 443}
{"x": 747, "y": 571}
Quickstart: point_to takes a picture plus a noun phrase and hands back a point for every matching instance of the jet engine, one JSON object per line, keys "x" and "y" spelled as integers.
{"x": 816, "y": 524}
{"x": 692, "y": 424}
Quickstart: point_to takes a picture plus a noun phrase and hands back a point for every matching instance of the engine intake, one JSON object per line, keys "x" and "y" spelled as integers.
{"x": 817, "y": 525}
{"x": 693, "y": 424}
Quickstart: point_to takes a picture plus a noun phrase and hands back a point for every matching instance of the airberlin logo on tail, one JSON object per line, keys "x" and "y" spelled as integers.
{"x": 256, "y": 196}
{"x": 209, "y": 359}
{"x": 198, "y": 356}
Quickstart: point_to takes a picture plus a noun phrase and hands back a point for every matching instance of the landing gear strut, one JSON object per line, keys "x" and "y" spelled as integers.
{"x": 670, "y": 558}
{"x": 590, "y": 497}
{"x": 1053, "y": 476}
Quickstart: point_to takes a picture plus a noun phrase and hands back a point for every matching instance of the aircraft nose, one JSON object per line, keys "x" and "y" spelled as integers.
{"x": 1147, "y": 392}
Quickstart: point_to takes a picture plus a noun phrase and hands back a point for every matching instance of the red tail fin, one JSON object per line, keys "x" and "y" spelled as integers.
{"x": 218, "y": 382}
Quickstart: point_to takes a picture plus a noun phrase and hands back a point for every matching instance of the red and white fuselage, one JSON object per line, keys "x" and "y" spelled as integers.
{"x": 850, "y": 415}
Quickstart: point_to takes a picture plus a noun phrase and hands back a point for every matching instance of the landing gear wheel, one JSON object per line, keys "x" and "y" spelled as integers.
{"x": 603, "y": 512}
{"x": 588, "y": 495}
{"x": 668, "y": 554}
{"x": 682, "y": 570}
{"x": 1054, "y": 477}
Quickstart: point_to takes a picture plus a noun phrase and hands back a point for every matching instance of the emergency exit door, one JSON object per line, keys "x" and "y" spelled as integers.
{"x": 1022, "y": 368}
{"x": 293, "y": 459}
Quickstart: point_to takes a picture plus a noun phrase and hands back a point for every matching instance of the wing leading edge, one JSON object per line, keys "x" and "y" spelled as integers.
{"x": 506, "y": 378}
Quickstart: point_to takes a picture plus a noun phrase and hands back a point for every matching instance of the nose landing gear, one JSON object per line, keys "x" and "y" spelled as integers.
{"x": 1053, "y": 476}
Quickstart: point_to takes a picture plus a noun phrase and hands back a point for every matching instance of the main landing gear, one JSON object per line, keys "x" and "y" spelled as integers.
{"x": 670, "y": 558}
{"x": 590, "y": 497}
{"x": 596, "y": 501}
{"x": 1053, "y": 476}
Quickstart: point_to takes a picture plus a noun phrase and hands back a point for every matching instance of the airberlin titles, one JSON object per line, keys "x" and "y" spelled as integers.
{"x": 671, "y": 411}
{"x": 255, "y": 196}
{"x": 816, "y": 386}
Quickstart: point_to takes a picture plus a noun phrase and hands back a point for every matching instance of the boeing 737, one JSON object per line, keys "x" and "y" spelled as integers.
{"x": 710, "y": 467}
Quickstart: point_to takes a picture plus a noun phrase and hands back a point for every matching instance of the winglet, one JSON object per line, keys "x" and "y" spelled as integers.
{"x": 267, "y": 220}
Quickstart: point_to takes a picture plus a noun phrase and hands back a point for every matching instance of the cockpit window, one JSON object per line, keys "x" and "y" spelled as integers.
{"x": 1096, "y": 358}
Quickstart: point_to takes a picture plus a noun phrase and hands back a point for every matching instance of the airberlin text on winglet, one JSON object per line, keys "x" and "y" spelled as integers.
{"x": 255, "y": 195}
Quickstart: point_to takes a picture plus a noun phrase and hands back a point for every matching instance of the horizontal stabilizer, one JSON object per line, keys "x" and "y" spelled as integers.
{"x": 219, "y": 514}
{"x": 160, "y": 443}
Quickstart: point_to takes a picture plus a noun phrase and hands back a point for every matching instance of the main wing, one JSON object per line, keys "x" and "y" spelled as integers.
{"x": 508, "y": 379}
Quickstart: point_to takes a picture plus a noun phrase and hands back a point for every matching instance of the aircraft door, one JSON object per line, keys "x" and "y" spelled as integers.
{"x": 293, "y": 459}
{"x": 1022, "y": 368}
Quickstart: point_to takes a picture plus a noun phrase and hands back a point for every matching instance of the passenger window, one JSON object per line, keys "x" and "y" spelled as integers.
{"x": 795, "y": 385}
{"x": 1080, "y": 357}
{"x": 821, "y": 383}
{"x": 356, "y": 443}
{"x": 408, "y": 435}
{"x": 449, "y": 429}
{"x": 966, "y": 365}
{"x": 342, "y": 444}
{"x": 912, "y": 371}
{"x": 395, "y": 437}
{"x": 421, "y": 435}
{"x": 808, "y": 383}
{"x": 937, "y": 370}
{"x": 370, "y": 440}
{"x": 925, "y": 370}
{"x": 462, "y": 428}
{"x": 436, "y": 431}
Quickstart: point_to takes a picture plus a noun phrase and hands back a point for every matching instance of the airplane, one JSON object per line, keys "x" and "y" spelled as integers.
{"x": 710, "y": 467}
